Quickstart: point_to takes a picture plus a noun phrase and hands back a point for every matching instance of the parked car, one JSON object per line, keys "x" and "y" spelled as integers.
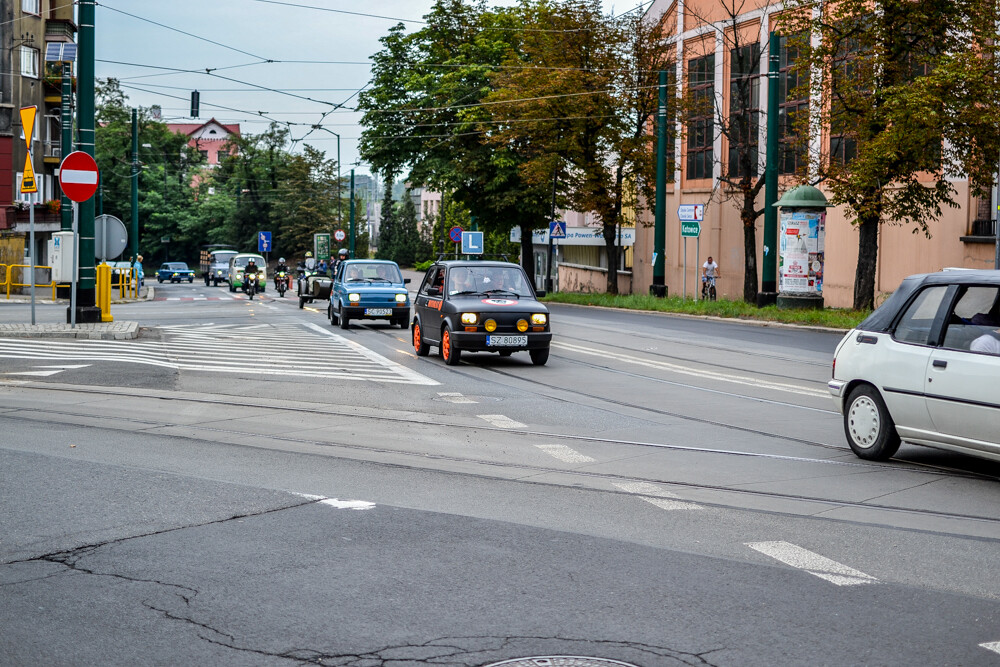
{"x": 215, "y": 265}
{"x": 236, "y": 264}
{"x": 479, "y": 306}
{"x": 369, "y": 289}
{"x": 925, "y": 368}
{"x": 119, "y": 268}
{"x": 174, "y": 272}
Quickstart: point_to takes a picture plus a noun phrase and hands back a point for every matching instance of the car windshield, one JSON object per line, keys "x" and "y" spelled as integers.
{"x": 488, "y": 280}
{"x": 177, "y": 266}
{"x": 372, "y": 272}
{"x": 222, "y": 257}
{"x": 240, "y": 262}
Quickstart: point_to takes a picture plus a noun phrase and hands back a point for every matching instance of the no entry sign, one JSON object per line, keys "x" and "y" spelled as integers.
{"x": 78, "y": 176}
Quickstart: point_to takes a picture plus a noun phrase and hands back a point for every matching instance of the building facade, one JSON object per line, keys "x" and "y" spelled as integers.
{"x": 707, "y": 65}
{"x": 210, "y": 138}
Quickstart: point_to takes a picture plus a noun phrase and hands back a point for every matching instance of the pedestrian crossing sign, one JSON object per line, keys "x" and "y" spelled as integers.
{"x": 28, "y": 183}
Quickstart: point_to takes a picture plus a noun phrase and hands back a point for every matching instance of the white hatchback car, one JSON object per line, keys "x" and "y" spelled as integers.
{"x": 925, "y": 368}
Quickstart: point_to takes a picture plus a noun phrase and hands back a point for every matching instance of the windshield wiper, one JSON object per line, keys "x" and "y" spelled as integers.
{"x": 466, "y": 291}
{"x": 503, "y": 291}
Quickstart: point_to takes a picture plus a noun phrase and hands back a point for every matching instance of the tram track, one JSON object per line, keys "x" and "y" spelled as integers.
{"x": 212, "y": 432}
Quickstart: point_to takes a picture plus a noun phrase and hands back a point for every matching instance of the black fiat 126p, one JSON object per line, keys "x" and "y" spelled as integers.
{"x": 480, "y": 306}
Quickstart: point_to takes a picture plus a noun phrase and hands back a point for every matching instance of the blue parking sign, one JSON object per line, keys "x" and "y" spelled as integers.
{"x": 264, "y": 242}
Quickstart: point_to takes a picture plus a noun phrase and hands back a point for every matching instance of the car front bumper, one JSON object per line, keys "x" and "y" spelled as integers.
{"x": 475, "y": 341}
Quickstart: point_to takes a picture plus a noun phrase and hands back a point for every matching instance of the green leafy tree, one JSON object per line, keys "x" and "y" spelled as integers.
{"x": 910, "y": 91}
{"x": 387, "y": 226}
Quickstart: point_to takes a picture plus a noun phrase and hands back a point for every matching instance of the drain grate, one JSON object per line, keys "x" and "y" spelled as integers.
{"x": 561, "y": 661}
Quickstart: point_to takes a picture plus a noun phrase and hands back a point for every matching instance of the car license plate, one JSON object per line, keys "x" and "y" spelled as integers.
{"x": 375, "y": 312}
{"x": 506, "y": 341}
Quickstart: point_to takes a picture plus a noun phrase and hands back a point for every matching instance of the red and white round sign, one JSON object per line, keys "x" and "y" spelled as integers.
{"x": 78, "y": 176}
{"x": 340, "y": 235}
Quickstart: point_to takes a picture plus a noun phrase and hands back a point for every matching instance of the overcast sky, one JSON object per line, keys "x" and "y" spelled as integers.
{"x": 141, "y": 43}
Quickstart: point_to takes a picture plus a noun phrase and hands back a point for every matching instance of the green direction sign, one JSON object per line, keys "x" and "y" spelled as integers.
{"x": 691, "y": 229}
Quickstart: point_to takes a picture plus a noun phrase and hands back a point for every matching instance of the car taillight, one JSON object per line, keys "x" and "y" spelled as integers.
{"x": 833, "y": 371}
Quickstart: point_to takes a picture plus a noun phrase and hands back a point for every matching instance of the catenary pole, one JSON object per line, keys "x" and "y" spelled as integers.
{"x": 769, "y": 267}
{"x": 134, "y": 233}
{"x": 86, "y": 305}
{"x": 658, "y": 288}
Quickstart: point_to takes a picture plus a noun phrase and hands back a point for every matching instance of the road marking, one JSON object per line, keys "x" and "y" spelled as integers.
{"x": 564, "y": 453}
{"x": 654, "y": 495}
{"x": 454, "y": 397}
{"x": 502, "y": 421}
{"x": 47, "y": 373}
{"x": 696, "y": 372}
{"x": 992, "y": 646}
{"x": 340, "y": 504}
{"x": 813, "y": 563}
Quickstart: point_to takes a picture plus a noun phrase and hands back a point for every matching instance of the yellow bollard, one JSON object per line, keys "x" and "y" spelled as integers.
{"x": 104, "y": 292}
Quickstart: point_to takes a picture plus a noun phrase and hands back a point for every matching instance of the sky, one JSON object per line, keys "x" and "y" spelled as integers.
{"x": 296, "y": 61}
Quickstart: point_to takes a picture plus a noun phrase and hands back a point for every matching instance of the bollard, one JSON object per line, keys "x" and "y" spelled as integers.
{"x": 104, "y": 292}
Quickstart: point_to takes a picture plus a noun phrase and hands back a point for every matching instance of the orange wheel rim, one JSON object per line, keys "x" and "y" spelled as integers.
{"x": 416, "y": 336}
{"x": 446, "y": 343}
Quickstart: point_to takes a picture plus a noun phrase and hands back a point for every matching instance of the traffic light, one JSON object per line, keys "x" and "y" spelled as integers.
{"x": 195, "y": 99}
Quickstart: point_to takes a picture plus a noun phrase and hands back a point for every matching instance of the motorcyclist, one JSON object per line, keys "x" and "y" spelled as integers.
{"x": 250, "y": 270}
{"x": 281, "y": 267}
{"x": 342, "y": 256}
{"x": 310, "y": 262}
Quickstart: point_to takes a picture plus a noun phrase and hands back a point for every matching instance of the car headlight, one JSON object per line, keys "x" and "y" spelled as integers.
{"x": 354, "y": 296}
{"x": 490, "y": 325}
{"x": 401, "y": 298}
{"x": 469, "y": 318}
{"x": 239, "y": 275}
{"x": 539, "y": 318}
{"x": 176, "y": 274}
{"x": 522, "y": 325}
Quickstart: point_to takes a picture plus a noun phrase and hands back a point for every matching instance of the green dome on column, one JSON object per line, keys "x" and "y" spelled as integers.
{"x": 803, "y": 196}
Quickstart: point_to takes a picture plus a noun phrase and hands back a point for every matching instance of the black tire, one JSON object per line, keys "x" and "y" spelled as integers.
{"x": 345, "y": 321}
{"x": 711, "y": 292}
{"x": 329, "y": 314}
{"x": 159, "y": 279}
{"x": 869, "y": 428}
{"x": 539, "y": 356}
{"x": 449, "y": 352}
{"x": 421, "y": 348}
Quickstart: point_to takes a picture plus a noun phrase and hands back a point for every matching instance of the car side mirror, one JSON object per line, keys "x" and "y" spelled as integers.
{"x": 406, "y": 281}
{"x": 539, "y": 293}
{"x": 433, "y": 291}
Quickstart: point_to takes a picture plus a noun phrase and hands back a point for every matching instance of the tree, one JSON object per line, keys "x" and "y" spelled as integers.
{"x": 578, "y": 112}
{"x": 910, "y": 97}
{"x": 386, "y": 228}
{"x": 311, "y": 183}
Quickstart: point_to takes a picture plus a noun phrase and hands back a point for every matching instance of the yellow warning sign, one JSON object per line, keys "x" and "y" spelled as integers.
{"x": 28, "y": 181}
{"x": 28, "y": 123}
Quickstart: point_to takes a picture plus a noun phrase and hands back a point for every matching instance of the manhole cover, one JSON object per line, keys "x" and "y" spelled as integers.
{"x": 561, "y": 661}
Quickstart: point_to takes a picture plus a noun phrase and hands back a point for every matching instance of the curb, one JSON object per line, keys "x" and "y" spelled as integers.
{"x": 101, "y": 331}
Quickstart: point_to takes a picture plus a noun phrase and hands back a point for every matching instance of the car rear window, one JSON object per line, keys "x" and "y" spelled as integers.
{"x": 917, "y": 322}
{"x": 976, "y": 313}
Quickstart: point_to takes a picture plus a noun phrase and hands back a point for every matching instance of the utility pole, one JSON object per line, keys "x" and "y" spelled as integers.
{"x": 86, "y": 304}
{"x": 66, "y": 142}
{"x": 659, "y": 286}
{"x": 769, "y": 267}
{"x": 552, "y": 218}
{"x": 351, "y": 248}
{"x": 134, "y": 233}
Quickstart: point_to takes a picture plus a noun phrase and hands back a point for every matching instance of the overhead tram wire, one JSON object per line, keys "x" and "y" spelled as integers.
{"x": 261, "y": 114}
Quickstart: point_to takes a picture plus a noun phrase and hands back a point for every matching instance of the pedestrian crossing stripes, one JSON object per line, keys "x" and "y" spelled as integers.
{"x": 277, "y": 350}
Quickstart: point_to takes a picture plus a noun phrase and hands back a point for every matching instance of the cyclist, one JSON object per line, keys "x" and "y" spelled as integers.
{"x": 709, "y": 274}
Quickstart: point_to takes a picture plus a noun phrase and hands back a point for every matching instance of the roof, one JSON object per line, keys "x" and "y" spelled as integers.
{"x": 192, "y": 128}
{"x": 882, "y": 318}
{"x": 476, "y": 262}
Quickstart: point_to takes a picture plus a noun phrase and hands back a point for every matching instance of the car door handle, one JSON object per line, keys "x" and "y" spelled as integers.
{"x": 940, "y": 363}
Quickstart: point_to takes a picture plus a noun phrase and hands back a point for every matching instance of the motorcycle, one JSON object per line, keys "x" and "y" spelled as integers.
{"x": 281, "y": 283}
{"x": 313, "y": 285}
{"x": 250, "y": 284}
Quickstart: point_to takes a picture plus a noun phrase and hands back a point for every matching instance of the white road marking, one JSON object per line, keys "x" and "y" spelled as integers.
{"x": 502, "y": 421}
{"x": 696, "y": 372}
{"x": 47, "y": 373}
{"x": 340, "y": 504}
{"x": 654, "y": 495}
{"x": 564, "y": 453}
{"x": 813, "y": 563}
{"x": 992, "y": 646}
{"x": 455, "y": 397}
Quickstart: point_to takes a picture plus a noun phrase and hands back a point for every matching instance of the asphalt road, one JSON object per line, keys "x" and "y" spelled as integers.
{"x": 246, "y": 484}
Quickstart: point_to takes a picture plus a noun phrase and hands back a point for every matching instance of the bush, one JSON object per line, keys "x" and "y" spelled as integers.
{"x": 423, "y": 266}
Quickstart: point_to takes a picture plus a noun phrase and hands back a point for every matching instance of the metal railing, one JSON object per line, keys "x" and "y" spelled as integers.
{"x": 984, "y": 227}
{"x": 8, "y": 277}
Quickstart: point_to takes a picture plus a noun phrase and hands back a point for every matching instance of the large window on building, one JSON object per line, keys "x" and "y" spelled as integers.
{"x": 843, "y": 142}
{"x": 31, "y": 6}
{"x": 793, "y": 109}
{"x": 29, "y": 61}
{"x": 744, "y": 108}
{"x": 700, "y": 125}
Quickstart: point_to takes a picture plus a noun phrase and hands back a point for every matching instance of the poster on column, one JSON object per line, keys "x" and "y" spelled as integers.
{"x": 801, "y": 252}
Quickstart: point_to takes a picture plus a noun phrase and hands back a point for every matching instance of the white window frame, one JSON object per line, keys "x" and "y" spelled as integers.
{"x": 32, "y": 7}
{"x": 29, "y": 61}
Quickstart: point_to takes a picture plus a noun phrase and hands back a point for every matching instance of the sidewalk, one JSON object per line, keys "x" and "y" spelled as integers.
{"x": 121, "y": 330}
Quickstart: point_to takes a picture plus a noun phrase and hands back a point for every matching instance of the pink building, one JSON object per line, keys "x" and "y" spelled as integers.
{"x": 210, "y": 138}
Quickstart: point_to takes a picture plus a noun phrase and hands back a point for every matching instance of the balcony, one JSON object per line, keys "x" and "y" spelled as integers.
{"x": 982, "y": 230}
{"x": 52, "y": 151}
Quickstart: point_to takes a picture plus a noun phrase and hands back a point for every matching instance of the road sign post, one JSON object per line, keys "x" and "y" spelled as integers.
{"x": 690, "y": 216}
{"x": 557, "y": 230}
{"x": 28, "y": 185}
{"x": 263, "y": 241}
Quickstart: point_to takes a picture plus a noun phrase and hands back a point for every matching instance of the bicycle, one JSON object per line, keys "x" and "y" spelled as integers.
{"x": 708, "y": 289}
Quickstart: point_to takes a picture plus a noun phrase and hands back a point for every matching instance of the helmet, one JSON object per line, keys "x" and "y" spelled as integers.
{"x": 281, "y": 259}
{"x": 342, "y": 252}
{"x": 309, "y": 254}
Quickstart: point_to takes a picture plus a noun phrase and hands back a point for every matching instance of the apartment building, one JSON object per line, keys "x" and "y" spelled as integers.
{"x": 707, "y": 66}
